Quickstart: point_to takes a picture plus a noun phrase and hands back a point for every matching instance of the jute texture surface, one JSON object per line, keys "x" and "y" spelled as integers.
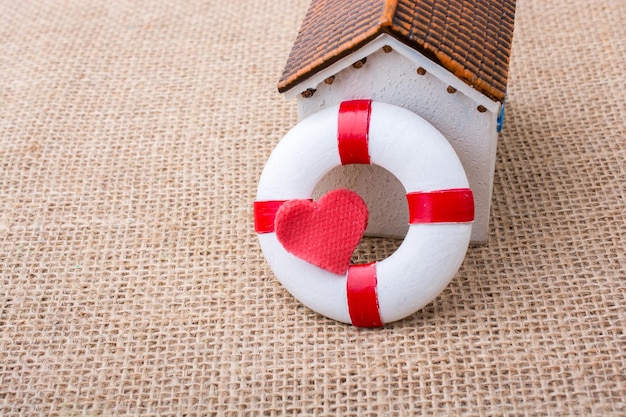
{"x": 132, "y": 137}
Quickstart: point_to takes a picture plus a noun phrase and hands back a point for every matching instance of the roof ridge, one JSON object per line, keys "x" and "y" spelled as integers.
{"x": 389, "y": 12}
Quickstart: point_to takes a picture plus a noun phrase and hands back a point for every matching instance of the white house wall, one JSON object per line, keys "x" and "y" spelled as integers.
{"x": 392, "y": 77}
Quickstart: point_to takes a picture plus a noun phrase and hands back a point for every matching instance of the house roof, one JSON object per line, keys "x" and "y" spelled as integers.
{"x": 470, "y": 38}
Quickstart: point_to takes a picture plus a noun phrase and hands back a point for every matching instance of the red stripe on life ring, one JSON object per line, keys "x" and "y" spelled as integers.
{"x": 362, "y": 298}
{"x": 264, "y": 214}
{"x": 353, "y": 131}
{"x": 443, "y": 206}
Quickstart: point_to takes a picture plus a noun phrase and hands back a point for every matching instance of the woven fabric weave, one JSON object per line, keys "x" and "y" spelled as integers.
{"x": 132, "y": 137}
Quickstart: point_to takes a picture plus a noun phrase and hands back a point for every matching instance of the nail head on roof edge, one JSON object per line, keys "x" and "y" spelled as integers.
{"x": 359, "y": 63}
{"x": 308, "y": 93}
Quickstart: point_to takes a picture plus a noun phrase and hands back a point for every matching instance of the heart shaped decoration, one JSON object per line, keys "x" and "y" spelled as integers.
{"x": 323, "y": 233}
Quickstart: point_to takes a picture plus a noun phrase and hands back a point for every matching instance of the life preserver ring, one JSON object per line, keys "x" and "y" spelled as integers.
{"x": 440, "y": 203}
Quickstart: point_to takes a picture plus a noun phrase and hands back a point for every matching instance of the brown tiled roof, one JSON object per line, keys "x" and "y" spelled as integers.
{"x": 470, "y": 38}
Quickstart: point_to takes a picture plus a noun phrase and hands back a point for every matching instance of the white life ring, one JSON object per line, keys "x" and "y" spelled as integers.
{"x": 426, "y": 165}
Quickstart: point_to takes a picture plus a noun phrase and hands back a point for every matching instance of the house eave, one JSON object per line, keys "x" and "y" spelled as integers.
{"x": 408, "y": 52}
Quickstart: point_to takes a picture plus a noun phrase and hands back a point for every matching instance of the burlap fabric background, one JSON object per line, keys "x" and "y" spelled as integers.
{"x": 132, "y": 136}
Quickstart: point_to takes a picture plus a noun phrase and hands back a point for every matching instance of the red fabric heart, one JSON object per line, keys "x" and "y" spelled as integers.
{"x": 323, "y": 233}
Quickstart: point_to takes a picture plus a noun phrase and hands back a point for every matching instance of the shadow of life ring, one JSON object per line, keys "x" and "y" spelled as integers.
{"x": 441, "y": 210}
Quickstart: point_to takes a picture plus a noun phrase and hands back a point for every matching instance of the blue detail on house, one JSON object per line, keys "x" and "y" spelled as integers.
{"x": 500, "y": 121}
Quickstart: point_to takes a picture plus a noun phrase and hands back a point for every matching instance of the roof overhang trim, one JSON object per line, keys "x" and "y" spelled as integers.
{"x": 416, "y": 57}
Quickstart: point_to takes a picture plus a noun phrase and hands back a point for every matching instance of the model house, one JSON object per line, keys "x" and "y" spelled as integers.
{"x": 445, "y": 60}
